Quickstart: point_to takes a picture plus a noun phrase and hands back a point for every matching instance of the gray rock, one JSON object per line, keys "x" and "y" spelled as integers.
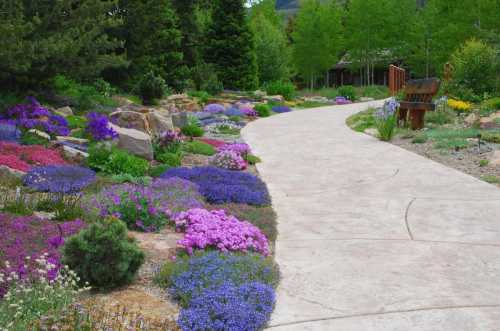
{"x": 64, "y": 111}
{"x": 40, "y": 133}
{"x": 134, "y": 141}
{"x": 179, "y": 120}
{"x": 73, "y": 140}
{"x": 130, "y": 120}
{"x": 159, "y": 123}
{"x": 365, "y": 99}
{"x": 490, "y": 122}
{"x": 74, "y": 153}
{"x": 9, "y": 172}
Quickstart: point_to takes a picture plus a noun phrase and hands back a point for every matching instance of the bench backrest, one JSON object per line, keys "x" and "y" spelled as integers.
{"x": 421, "y": 90}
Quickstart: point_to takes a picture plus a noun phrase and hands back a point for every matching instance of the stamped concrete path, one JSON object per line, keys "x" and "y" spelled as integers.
{"x": 373, "y": 237}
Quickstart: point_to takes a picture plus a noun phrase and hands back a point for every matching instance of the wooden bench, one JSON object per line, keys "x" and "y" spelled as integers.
{"x": 417, "y": 101}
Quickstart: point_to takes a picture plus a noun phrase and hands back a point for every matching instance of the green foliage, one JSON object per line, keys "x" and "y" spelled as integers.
{"x": 491, "y": 136}
{"x": 230, "y": 45}
{"x": 317, "y": 38}
{"x": 226, "y": 129}
{"x": 492, "y": 179}
{"x": 43, "y": 39}
{"x": 193, "y": 130}
{"x": 452, "y": 144}
{"x": 437, "y": 134}
{"x": 348, "y": 92}
{"x": 361, "y": 121}
{"x": 115, "y": 161}
{"x": 476, "y": 68}
{"x": 420, "y": 138}
{"x": 490, "y": 106}
{"x": 271, "y": 46}
{"x": 252, "y": 159}
{"x": 170, "y": 159}
{"x": 127, "y": 178}
{"x": 153, "y": 42}
{"x": 82, "y": 97}
{"x": 483, "y": 163}
{"x": 285, "y": 89}
{"x": 76, "y": 122}
{"x": 206, "y": 79}
{"x": 30, "y": 138}
{"x": 158, "y": 170}
{"x": 103, "y": 254}
{"x": 151, "y": 87}
{"x": 198, "y": 147}
{"x": 8, "y": 100}
{"x": 376, "y": 92}
{"x": 65, "y": 207}
{"x": 440, "y": 117}
{"x": 263, "y": 110}
{"x": 386, "y": 127}
{"x": 201, "y": 95}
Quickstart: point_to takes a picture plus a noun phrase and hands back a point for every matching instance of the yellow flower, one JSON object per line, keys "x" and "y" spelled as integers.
{"x": 459, "y": 105}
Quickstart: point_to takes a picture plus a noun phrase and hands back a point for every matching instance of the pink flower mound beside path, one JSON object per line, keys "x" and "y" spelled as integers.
{"x": 204, "y": 229}
{"x": 23, "y": 158}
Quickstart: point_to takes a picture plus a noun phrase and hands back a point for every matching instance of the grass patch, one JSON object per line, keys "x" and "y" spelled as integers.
{"x": 483, "y": 163}
{"x": 311, "y": 104}
{"x": 226, "y": 129}
{"x": 361, "y": 121}
{"x": 491, "y": 179}
{"x": 437, "y": 134}
{"x": 198, "y": 147}
{"x": 420, "y": 138}
{"x": 491, "y": 137}
{"x": 454, "y": 144}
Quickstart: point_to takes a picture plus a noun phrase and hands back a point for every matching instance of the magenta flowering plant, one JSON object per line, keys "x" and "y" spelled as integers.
{"x": 215, "y": 229}
{"x": 248, "y": 111}
{"x": 24, "y": 239}
{"x": 228, "y": 159}
{"x": 146, "y": 207}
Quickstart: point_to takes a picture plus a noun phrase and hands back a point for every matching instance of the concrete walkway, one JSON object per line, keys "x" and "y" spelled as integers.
{"x": 373, "y": 237}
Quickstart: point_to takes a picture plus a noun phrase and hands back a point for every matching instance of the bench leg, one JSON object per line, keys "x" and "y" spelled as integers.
{"x": 417, "y": 119}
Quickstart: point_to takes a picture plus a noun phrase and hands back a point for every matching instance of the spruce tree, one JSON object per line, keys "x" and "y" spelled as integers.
{"x": 186, "y": 11}
{"x": 231, "y": 45}
{"x": 153, "y": 41}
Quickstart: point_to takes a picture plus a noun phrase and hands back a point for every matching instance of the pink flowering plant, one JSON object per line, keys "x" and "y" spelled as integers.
{"x": 240, "y": 148}
{"x": 215, "y": 229}
{"x": 228, "y": 159}
{"x": 23, "y": 158}
{"x": 146, "y": 208}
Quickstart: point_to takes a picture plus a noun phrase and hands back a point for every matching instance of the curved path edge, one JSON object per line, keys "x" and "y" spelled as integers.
{"x": 371, "y": 236}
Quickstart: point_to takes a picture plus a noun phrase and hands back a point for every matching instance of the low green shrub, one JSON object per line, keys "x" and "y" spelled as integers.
{"x": 198, "y": 147}
{"x": 151, "y": 87}
{"x": 491, "y": 179}
{"x": 103, "y": 254}
{"x": 483, "y": 163}
{"x": 263, "y": 110}
{"x": 226, "y": 129}
{"x": 158, "y": 170}
{"x": 170, "y": 159}
{"x": 126, "y": 178}
{"x": 373, "y": 91}
{"x": 29, "y": 138}
{"x": 76, "y": 122}
{"x": 361, "y": 121}
{"x": 491, "y": 137}
{"x": 490, "y": 106}
{"x": 252, "y": 159}
{"x": 439, "y": 117}
{"x": 451, "y": 144}
{"x": 420, "y": 138}
{"x": 285, "y": 89}
{"x": 191, "y": 130}
{"x": 114, "y": 161}
{"x": 348, "y": 92}
{"x": 201, "y": 95}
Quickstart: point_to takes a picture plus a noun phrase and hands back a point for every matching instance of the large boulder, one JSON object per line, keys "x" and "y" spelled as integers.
{"x": 472, "y": 119}
{"x": 130, "y": 120}
{"x": 490, "y": 122}
{"x": 64, "y": 111}
{"x": 135, "y": 141}
{"x": 159, "y": 123}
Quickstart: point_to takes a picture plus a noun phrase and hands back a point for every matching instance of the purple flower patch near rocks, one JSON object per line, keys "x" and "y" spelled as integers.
{"x": 59, "y": 178}
{"x": 221, "y": 186}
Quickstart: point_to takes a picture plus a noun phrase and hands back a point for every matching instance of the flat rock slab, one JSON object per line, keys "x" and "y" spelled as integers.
{"x": 374, "y": 237}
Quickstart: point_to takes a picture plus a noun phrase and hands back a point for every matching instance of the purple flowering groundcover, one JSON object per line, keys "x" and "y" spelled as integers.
{"x": 220, "y": 186}
{"x": 26, "y": 238}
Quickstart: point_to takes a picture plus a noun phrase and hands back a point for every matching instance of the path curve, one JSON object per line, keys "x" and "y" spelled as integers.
{"x": 371, "y": 236}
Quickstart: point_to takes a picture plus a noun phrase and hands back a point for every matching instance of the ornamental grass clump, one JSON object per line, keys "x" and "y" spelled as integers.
{"x": 98, "y": 127}
{"x": 189, "y": 276}
{"x": 214, "y": 108}
{"x": 228, "y": 159}
{"x": 32, "y": 115}
{"x": 220, "y": 186}
{"x": 103, "y": 254}
{"x": 228, "y": 307}
{"x": 64, "y": 179}
{"x": 23, "y": 158}
{"x": 146, "y": 208}
{"x": 23, "y": 239}
{"x": 215, "y": 229}
{"x": 386, "y": 119}
{"x": 31, "y": 298}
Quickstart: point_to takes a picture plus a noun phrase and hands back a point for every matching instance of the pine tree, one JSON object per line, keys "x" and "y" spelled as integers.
{"x": 191, "y": 34}
{"x": 231, "y": 45}
{"x": 153, "y": 41}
